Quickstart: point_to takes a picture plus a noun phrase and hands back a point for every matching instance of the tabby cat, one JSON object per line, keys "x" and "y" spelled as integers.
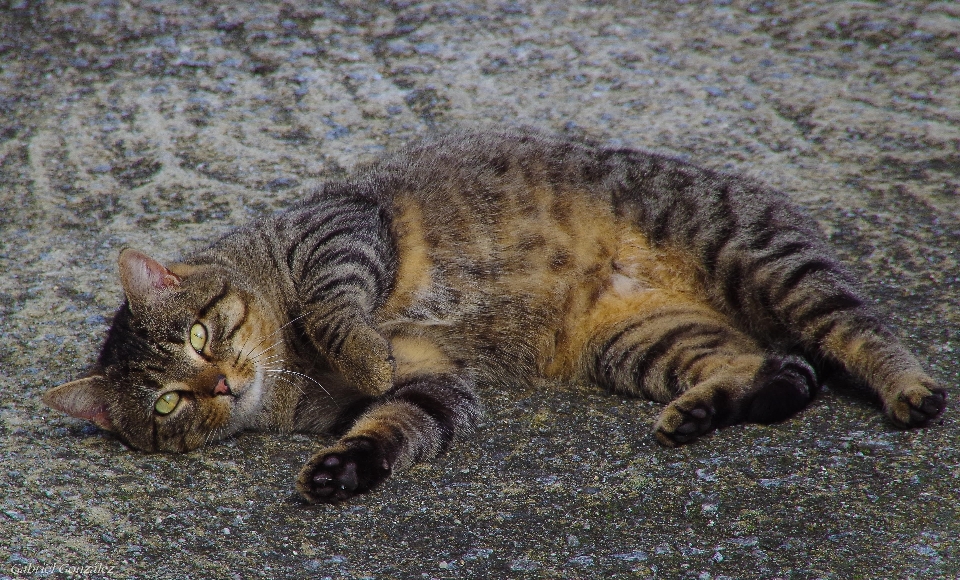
{"x": 374, "y": 307}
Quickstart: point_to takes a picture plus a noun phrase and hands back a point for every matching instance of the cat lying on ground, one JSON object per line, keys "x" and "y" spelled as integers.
{"x": 374, "y": 307}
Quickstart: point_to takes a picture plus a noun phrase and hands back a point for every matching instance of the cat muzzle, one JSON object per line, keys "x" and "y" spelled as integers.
{"x": 222, "y": 388}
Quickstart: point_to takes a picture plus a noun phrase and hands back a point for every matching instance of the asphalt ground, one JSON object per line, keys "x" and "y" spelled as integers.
{"x": 161, "y": 124}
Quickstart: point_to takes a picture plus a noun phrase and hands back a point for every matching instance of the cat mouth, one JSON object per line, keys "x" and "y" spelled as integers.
{"x": 244, "y": 396}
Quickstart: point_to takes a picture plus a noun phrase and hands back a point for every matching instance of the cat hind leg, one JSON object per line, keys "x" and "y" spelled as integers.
{"x": 910, "y": 397}
{"x": 779, "y": 388}
{"x": 782, "y": 387}
{"x": 710, "y": 374}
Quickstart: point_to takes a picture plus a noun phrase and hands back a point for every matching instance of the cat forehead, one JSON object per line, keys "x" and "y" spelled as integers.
{"x": 177, "y": 310}
{"x": 166, "y": 324}
{"x": 142, "y": 347}
{"x": 196, "y": 291}
{"x": 147, "y": 375}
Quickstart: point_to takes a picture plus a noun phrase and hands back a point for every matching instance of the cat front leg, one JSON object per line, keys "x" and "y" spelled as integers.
{"x": 431, "y": 402}
{"x": 415, "y": 421}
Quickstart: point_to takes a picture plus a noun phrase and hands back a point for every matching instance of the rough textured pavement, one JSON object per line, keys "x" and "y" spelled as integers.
{"x": 160, "y": 124}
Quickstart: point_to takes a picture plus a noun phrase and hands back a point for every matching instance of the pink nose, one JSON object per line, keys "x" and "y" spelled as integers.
{"x": 222, "y": 387}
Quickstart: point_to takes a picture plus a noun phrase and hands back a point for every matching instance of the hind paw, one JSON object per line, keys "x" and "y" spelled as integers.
{"x": 917, "y": 406}
{"x": 682, "y": 423}
{"x": 782, "y": 387}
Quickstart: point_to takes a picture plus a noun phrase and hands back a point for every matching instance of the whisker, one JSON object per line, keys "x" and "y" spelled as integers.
{"x": 275, "y": 332}
{"x": 210, "y": 432}
{"x": 265, "y": 350}
{"x": 311, "y": 379}
{"x": 290, "y": 382}
{"x": 208, "y": 437}
{"x": 272, "y": 359}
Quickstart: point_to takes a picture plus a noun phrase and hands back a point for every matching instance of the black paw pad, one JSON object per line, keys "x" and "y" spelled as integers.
{"x": 929, "y": 408}
{"x": 334, "y": 475}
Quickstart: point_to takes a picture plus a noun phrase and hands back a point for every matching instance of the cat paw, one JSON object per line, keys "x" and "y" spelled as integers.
{"x": 681, "y": 423}
{"x": 917, "y": 406}
{"x": 782, "y": 387}
{"x": 366, "y": 361}
{"x": 338, "y": 473}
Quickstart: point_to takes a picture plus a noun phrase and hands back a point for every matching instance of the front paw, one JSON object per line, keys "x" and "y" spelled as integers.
{"x": 338, "y": 473}
{"x": 367, "y": 363}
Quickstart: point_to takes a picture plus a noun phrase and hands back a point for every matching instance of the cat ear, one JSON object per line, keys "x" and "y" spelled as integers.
{"x": 144, "y": 279}
{"x": 83, "y": 398}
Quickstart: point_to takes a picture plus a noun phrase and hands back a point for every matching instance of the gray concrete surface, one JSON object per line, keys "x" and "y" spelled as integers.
{"x": 160, "y": 124}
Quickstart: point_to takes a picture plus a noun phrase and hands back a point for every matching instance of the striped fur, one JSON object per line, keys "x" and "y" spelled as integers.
{"x": 373, "y": 307}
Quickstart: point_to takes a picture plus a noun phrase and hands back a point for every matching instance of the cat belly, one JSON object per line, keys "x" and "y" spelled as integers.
{"x": 635, "y": 280}
{"x": 527, "y": 299}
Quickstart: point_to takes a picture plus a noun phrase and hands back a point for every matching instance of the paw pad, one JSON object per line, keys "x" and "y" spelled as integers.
{"x": 918, "y": 407}
{"x": 677, "y": 426}
{"x": 339, "y": 473}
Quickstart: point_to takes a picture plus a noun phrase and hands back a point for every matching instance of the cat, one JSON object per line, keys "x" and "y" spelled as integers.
{"x": 374, "y": 307}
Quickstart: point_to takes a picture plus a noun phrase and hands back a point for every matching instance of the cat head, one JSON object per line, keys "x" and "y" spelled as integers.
{"x": 181, "y": 364}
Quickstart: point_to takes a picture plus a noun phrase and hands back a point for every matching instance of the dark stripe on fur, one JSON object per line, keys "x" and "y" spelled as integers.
{"x": 767, "y": 228}
{"x": 792, "y": 280}
{"x": 720, "y": 238}
{"x": 784, "y": 251}
{"x": 684, "y": 369}
{"x": 334, "y": 336}
{"x": 808, "y": 311}
{"x": 662, "y": 346}
{"x": 233, "y": 331}
{"x": 335, "y": 287}
{"x": 212, "y": 303}
{"x": 732, "y": 286}
{"x": 708, "y": 338}
{"x": 331, "y": 237}
{"x": 447, "y": 399}
{"x": 349, "y": 414}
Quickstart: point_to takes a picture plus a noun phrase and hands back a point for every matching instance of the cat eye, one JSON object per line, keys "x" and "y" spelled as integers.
{"x": 198, "y": 337}
{"x": 167, "y": 403}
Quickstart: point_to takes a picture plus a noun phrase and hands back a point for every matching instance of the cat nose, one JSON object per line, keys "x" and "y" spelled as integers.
{"x": 222, "y": 387}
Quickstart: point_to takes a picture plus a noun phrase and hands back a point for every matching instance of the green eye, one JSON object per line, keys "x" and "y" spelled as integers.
{"x": 198, "y": 337}
{"x": 167, "y": 403}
